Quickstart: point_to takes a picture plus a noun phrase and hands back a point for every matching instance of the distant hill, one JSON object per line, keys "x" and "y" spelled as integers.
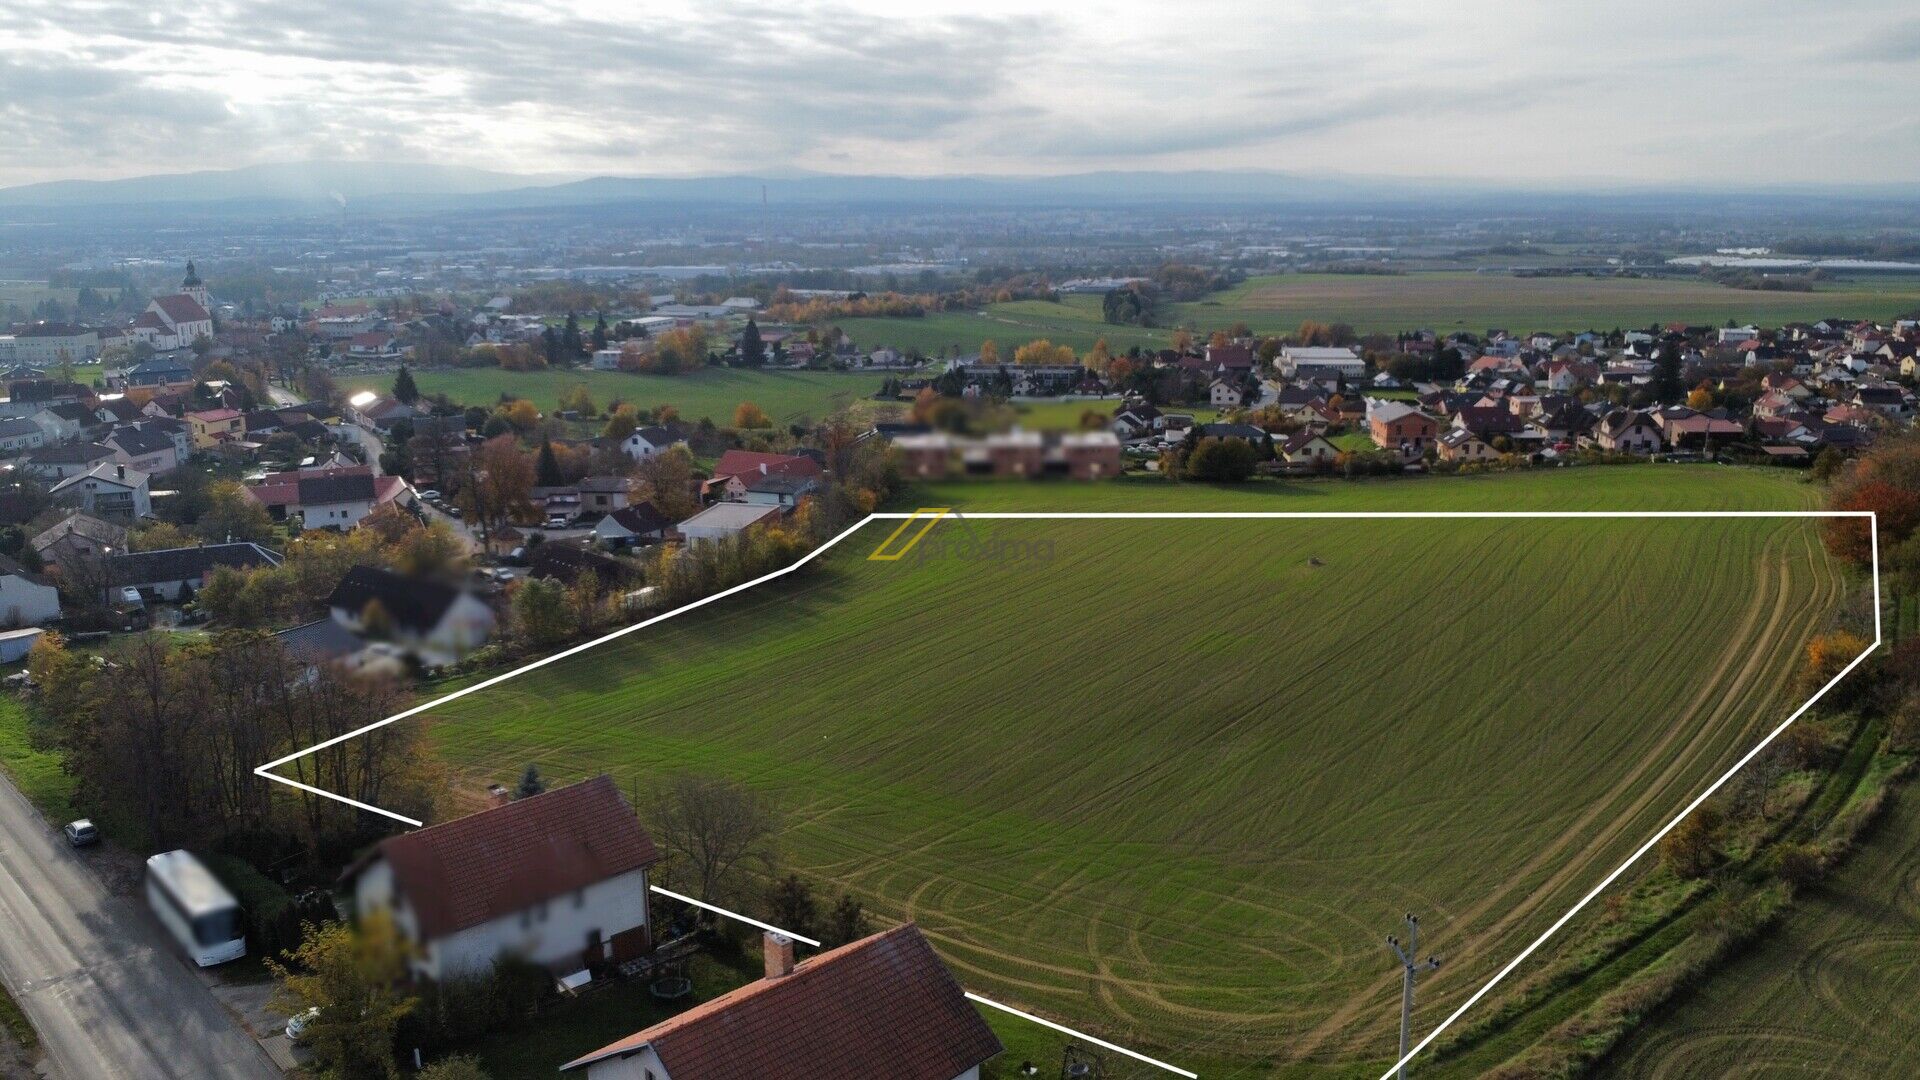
{"x": 394, "y": 187}
{"x": 314, "y": 181}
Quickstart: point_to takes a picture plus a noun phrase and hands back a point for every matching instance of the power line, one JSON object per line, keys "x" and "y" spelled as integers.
{"x": 1410, "y": 966}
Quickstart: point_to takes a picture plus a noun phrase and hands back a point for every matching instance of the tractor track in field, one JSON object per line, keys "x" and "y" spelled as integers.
{"x": 1695, "y": 735}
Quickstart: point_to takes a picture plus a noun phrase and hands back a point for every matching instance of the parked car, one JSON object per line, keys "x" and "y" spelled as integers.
{"x": 454, "y": 512}
{"x": 81, "y": 833}
{"x": 556, "y": 522}
{"x": 130, "y": 596}
{"x": 516, "y": 557}
{"x": 298, "y": 1023}
{"x": 430, "y": 495}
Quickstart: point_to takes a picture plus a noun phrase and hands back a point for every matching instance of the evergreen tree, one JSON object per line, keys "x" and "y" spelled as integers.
{"x": 753, "y": 351}
{"x": 570, "y": 339}
{"x": 403, "y": 386}
{"x": 547, "y": 471}
{"x": 551, "y": 346}
{"x": 1668, "y": 389}
{"x": 600, "y": 335}
{"x": 531, "y": 782}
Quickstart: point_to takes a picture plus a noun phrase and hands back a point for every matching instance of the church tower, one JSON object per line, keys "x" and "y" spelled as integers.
{"x": 194, "y": 287}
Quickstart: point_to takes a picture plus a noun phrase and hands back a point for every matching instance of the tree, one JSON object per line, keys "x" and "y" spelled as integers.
{"x": 846, "y": 923}
{"x": 1700, "y": 399}
{"x": 457, "y": 1067}
{"x": 666, "y": 480}
{"x": 790, "y": 905}
{"x": 233, "y": 514}
{"x": 540, "y": 613}
{"x": 989, "y": 352}
{"x": 531, "y": 783}
{"x": 1693, "y": 846}
{"x": 1221, "y": 460}
{"x": 1667, "y": 382}
{"x": 546, "y": 472}
{"x": 749, "y": 415}
{"x": 352, "y": 976}
{"x": 499, "y": 484}
{"x": 716, "y": 830}
{"x": 621, "y": 422}
{"x": 600, "y": 334}
{"x": 404, "y": 388}
{"x": 753, "y": 351}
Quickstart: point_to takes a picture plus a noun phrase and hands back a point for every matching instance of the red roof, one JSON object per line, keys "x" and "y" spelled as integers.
{"x": 215, "y": 416}
{"x": 882, "y": 1006}
{"x": 181, "y": 308}
{"x": 500, "y": 861}
{"x": 753, "y": 463}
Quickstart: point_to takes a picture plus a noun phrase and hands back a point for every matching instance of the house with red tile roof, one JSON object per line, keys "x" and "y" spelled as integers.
{"x": 737, "y": 468}
{"x": 883, "y": 1006}
{"x": 558, "y": 879}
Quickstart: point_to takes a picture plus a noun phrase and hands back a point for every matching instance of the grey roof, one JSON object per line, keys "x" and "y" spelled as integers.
{"x": 71, "y": 454}
{"x": 183, "y": 564}
{"x": 414, "y": 603}
{"x": 17, "y": 426}
{"x": 319, "y": 642}
{"x": 135, "y": 440}
{"x": 729, "y": 515}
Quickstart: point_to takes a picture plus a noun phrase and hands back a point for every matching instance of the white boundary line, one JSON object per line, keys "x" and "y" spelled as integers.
{"x": 716, "y": 909}
{"x": 1104, "y": 1044}
{"x": 1873, "y": 532}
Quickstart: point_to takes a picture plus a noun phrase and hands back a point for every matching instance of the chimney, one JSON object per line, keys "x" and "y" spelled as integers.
{"x": 498, "y": 795}
{"x": 779, "y": 950}
{"x": 122, "y": 470}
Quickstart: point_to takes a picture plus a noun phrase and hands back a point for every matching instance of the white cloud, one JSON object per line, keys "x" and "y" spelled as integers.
{"x": 1676, "y": 90}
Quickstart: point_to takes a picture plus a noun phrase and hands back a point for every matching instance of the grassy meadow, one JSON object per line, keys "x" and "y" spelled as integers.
{"x": 710, "y": 392}
{"x": 1438, "y": 300}
{"x": 1831, "y": 991}
{"x": 1173, "y": 780}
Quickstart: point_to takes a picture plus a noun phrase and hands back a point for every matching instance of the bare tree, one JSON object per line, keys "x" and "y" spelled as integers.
{"x": 717, "y": 830}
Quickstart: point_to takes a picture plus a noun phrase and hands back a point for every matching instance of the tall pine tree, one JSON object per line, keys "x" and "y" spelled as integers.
{"x": 403, "y": 386}
{"x": 753, "y": 351}
{"x": 547, "y": 471}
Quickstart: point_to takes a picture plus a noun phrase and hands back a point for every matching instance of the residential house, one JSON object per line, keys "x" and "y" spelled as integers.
{"x": 645, "y": 442}
{"x": 107, "y": 490}
{"x": 634, "y": 523}
{"x": 158, "y": 372}
{"x": 1892, "y": 402}
{"x": 1400, "y": 427}
{"x": 1626, "y": 431}
{"x": 432, "y": 620}
{"x": 19, "y": 435}
{"x": 736, "y": 467}
{"x": 211, "y": 427}
{"x": 79, "y": 539}
{"x": 602, "y": 494}
{"x": 26, "y": 598}
{"x": 1462, "y": 445}
{"x": 726, "y": 519}
{"x": 1307, "y": 450}
{"x": 148, "y": 449}
{"x": 1089, "y": 455}
{"x": 177, "y": 573}
{"x": 1225, "y": 393}
{"x": 328, "y": 498}
{"x": 1137, "y": 421}
{"x": 883, "y": 1006}
{"x": 779, "y": 489}
{"x": 557, "y": 879}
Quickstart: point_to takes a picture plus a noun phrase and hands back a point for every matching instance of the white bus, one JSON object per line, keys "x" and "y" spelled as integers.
{"x": 199, "y": 911}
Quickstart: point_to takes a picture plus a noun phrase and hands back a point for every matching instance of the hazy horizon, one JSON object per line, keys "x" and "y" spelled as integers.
{"x": 1537, "y": 98}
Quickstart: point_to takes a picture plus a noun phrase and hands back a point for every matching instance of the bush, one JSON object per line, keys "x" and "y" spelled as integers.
{"x": 273, "y": 920}
{"x": 458, "y": 1011}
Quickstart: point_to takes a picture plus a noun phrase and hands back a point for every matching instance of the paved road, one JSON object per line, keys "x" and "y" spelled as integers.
{"x": 100, "y": 980}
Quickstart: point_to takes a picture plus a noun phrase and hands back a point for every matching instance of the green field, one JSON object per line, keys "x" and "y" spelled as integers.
{"x": 711, "y": 392}
{"x": 1438, "y": 300}
{"x": 1173, "y": 780}
{"x": 1833, "y": 991}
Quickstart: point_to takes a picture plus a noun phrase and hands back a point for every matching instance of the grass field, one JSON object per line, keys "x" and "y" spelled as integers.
{"x": 1833, "y": 991}
{"x": 711, "y": 392}
{"x": 1172, "y": 780}
{"x": 1442, "y": 301}
{"x": 36, "y": 773}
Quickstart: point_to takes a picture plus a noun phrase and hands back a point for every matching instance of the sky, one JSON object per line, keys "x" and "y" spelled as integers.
{"x": 1543, "y": 91}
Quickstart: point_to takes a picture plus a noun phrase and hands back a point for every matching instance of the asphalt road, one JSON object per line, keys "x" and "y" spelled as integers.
{"x": 104, "y": 986}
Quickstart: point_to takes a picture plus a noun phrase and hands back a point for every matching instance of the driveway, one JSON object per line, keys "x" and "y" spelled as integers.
{"x": 104, "y": 986}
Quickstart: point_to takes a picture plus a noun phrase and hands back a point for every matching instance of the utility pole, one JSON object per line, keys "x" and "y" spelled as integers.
{"x": 1411, "y": 965}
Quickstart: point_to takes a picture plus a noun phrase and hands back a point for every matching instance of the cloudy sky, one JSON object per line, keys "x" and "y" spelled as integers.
{"x": 1541, "y": 90}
